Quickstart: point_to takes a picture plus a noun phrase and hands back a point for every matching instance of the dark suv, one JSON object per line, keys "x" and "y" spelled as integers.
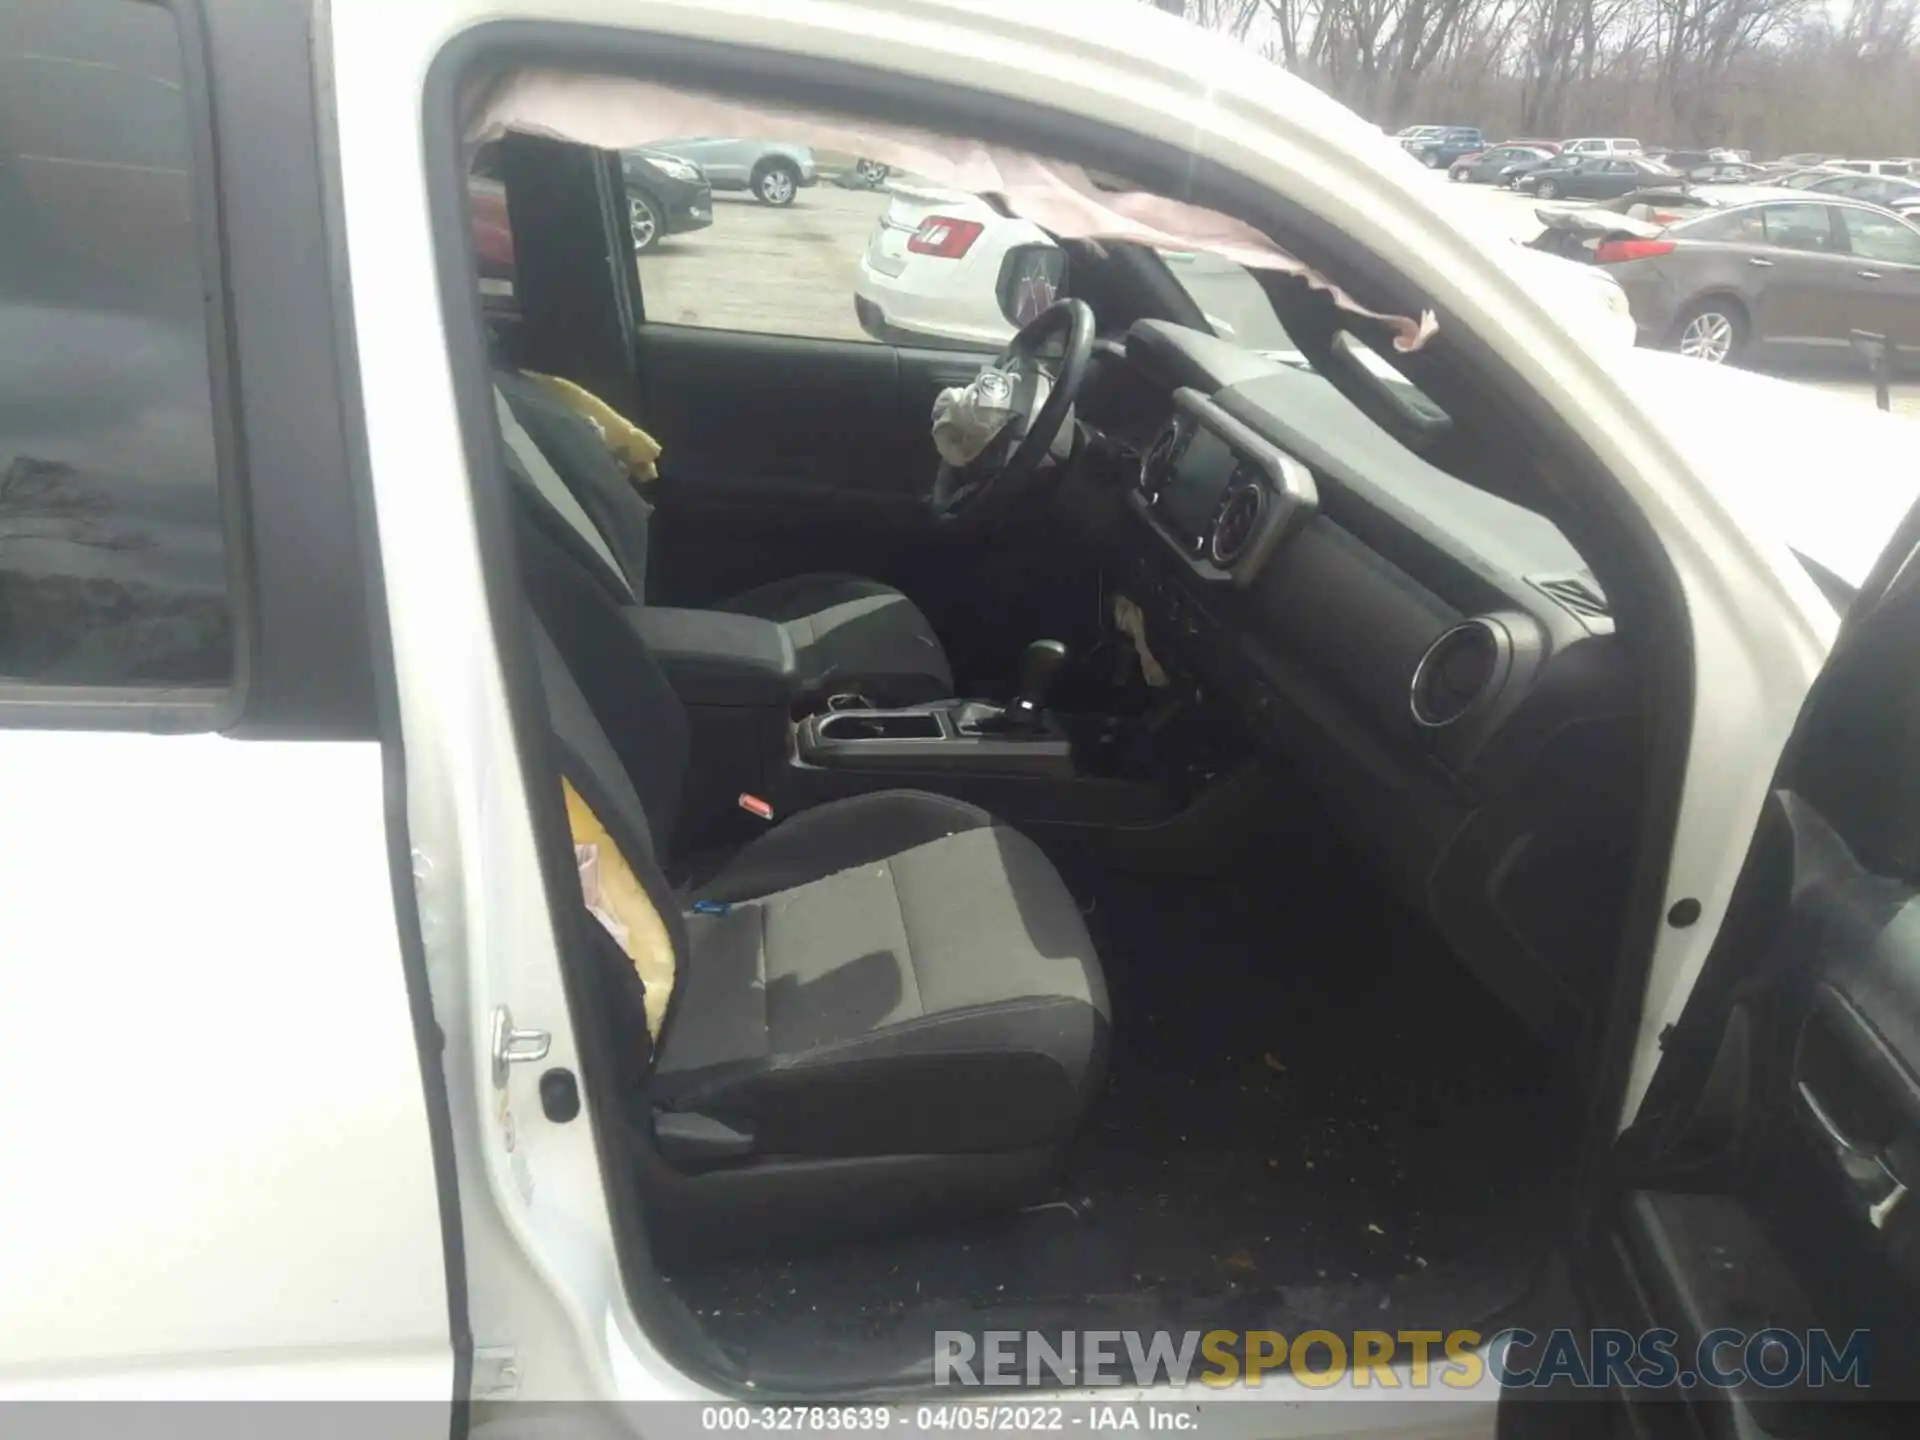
{"x": 1439, "y": 151}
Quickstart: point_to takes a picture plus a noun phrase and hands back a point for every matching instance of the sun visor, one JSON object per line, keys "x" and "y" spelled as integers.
{"x": 615, "y": 113}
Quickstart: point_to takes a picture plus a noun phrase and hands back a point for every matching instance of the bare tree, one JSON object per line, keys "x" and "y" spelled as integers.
{"x": 1770, "y": 75}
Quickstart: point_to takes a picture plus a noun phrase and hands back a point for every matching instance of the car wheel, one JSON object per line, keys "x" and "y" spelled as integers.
{"x": 776, "y": 183}
{"x": 1456, "y": 175}
{"x": 1433, "y": 162}
{"x": 643, "y": 222}
{"x": 1713, "y": 330}
{"x": 1546, "y": 190}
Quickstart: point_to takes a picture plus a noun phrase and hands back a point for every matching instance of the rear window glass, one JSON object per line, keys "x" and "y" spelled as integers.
{"x": 112, "y": 546}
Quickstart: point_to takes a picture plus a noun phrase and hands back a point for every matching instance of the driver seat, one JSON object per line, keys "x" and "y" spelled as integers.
{"x": 849, "y": 634}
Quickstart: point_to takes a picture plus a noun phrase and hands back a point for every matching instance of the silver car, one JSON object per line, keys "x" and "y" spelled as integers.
{"x": 773, "y": 170}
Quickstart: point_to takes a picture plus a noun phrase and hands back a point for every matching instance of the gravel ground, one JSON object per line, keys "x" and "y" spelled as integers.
{"x": 791, "y": 271}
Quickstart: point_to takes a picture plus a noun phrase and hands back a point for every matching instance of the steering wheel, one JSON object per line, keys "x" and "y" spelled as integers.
{"x": 1041, "y": 402}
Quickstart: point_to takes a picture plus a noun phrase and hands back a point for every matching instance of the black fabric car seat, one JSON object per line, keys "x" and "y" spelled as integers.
{"x": 884, "y": 1008}
{"x": 848, "y": 633}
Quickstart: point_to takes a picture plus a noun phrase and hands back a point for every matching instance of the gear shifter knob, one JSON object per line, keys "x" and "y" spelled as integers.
{"x": 1039, "y": 663}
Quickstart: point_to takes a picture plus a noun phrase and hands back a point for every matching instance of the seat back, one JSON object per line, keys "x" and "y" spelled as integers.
{"x": 588, "y": 610}
{"x": 579, "y": 457}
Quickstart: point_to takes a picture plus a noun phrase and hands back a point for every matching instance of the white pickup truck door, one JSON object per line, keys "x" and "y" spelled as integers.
{"x": 220, "y": 1177}
{"x": 218, "y": 1167}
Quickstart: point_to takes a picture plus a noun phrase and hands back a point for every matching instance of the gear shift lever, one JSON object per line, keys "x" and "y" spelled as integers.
{"x": 1039, "y": 663}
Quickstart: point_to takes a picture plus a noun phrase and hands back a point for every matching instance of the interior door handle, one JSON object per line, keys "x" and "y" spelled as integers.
{"x": 1877, "y": 1185}
{"x": 1868, "y": 274}
{"x": 1758, "y": 263}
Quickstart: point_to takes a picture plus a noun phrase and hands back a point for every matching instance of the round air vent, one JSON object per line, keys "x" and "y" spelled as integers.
{"x": 1238, "y": 522}
{"x": 1157, "y": 464}
{"x": 1457, "y": 672}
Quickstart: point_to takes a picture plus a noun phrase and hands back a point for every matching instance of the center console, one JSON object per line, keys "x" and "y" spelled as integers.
{"x": 756, "y": 733}
{"x": 967, "y": 736}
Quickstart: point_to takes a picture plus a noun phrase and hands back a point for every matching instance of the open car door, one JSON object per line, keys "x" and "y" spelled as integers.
{"x": 1756, "y": 1253}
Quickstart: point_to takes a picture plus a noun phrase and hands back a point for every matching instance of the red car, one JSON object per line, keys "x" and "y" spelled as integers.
{"x": 492, "y": 235}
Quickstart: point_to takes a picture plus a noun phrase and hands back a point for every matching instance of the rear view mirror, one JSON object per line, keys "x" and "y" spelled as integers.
{"x": 1031, "y": 278}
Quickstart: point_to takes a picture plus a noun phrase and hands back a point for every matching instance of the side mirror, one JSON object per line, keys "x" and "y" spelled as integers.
{"x": 1031, "y": 278}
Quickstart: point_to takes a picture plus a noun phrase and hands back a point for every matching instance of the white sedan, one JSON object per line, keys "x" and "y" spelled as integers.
{"x": 937, "y": 266}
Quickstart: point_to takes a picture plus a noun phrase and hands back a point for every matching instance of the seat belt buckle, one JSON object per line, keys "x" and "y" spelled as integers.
{"x": 754, "y": 805}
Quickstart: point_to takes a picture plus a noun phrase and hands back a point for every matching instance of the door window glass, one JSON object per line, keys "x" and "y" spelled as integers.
{"x": 1741, "y": 227}
{"x": 113, "y": 567}
{"x": 1882, "y": 238}
{"x": 1799, "y": 227}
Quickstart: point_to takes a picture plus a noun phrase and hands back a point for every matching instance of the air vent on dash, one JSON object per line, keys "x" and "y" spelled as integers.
{"x": 1576, "y": 594}
{"x": 1156, "y": 466}
{"x": 1238, "y": 521}
{"x": 1458, "y": 671}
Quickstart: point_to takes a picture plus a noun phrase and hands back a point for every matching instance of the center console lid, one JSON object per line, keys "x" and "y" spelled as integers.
{"x": 715, "y": 658}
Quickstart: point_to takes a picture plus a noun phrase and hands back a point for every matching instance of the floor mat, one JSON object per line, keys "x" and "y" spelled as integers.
{"x": 1311, "y": 1111}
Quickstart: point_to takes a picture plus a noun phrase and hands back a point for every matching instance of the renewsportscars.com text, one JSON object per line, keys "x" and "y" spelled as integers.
{"x": 1416, "y": 1359}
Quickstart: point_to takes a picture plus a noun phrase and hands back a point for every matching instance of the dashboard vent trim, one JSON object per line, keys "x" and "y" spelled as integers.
{"x": 1437, "y": 697}
{"x": 1578, "y": 595}
{"x": 1222, "y": 546}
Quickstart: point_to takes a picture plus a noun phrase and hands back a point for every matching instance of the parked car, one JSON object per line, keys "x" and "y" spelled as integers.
{"x": 772, "y": 171}
{"x": 666, "y": 195}
{"x": 1789, "y": 273}
{"x": 1491, "y": 166}
{"x": 944, "y": 268}
{"x": 1789, "y": 177}
{"x": 1437, "y": 152}
{"x": 492, "y": 233}
{"x": 1658, "y": 204}
{"x": 1723, "y": 172}
{"x": 1898, "y": 195}
{"x": 1511, "y": 173}
{"x": 1896, "y": 168}
{"x": 1411, "y": 133}
{"x": 1600, "y": 145}
{"x": 1593, "y": 177}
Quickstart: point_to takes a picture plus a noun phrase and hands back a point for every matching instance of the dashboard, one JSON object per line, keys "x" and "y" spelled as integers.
{"x": 1434, "y": 660}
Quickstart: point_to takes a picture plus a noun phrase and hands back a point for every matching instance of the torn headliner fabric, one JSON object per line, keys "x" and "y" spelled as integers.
{"x": 618, "y": 113}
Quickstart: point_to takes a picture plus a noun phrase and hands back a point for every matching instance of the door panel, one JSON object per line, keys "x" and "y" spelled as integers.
{"x": 1804, "y": 276}
{"x": 225, "y": 1180}
{"x": 785, "y": 455}
{"x": 1798, "y": 300}
{"x": 1767, "y": 1179}
{"x": 1883, "y": 277}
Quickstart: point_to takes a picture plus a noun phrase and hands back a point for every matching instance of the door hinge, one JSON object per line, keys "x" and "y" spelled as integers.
{"x": 496, "y": 1373}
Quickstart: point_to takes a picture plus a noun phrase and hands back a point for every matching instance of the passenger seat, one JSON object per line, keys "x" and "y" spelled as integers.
{"x": 883, "y": 1009}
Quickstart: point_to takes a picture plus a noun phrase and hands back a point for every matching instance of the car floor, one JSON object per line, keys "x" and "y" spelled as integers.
{"x": 1313, "y": 1117}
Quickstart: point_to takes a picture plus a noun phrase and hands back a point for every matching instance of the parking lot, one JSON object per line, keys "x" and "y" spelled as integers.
{"x": 792, "y": 271}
